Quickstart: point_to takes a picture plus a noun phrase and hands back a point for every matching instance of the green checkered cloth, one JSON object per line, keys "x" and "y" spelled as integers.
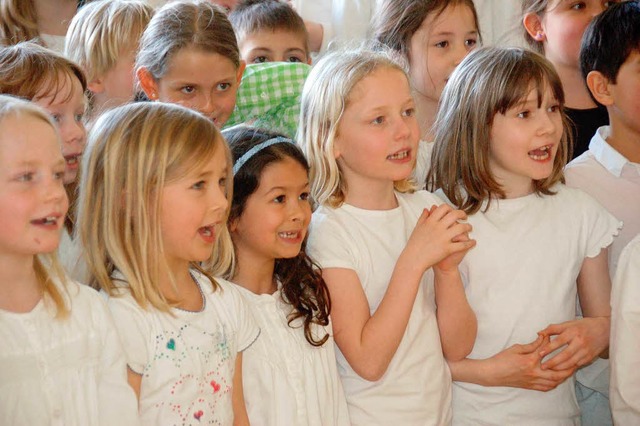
{"x": 269, "y": 96}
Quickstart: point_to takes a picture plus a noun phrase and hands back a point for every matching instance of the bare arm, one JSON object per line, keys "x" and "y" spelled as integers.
{"x": 369, "y": 341}
{"x": 588, "y": 337}
{"x": 240, "y": 416}
{"x": 135, "y": 380}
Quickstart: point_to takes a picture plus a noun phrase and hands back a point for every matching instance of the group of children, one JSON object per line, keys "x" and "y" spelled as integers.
{"x": 389, "y": 235}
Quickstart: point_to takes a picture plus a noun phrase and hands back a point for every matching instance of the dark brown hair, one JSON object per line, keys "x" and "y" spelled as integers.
{"x": 302, "y": 283}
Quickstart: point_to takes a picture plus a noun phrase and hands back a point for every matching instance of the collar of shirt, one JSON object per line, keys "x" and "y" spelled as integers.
{"x": 605, "y": 154}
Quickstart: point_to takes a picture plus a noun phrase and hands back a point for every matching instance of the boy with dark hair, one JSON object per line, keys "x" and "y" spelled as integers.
{"x": 270, "y": 31}
{"x": 610, "y": 169}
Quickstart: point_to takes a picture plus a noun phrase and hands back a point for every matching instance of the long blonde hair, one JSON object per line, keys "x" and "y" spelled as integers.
{"x": 324, "y": 98}
{"x": 45, "y": 265}
{"x": 487, "y": 82}
{"x": 133, "y": 151}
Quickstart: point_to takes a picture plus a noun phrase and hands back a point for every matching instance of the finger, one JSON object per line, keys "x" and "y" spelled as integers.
{"x": 423, "y": 216}
{"x": 458, "y": 229}
{"x": 561, "y": 357}
{"x": 529, "y": 348}
{"x": 553, "y": 329}
{"x": 554, "y": 345}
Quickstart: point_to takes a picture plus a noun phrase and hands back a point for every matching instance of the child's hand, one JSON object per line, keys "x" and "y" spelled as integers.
{"x": 584, "y": 338}
{"x": 439, "y": 237}
{"x": 519, "y": 366}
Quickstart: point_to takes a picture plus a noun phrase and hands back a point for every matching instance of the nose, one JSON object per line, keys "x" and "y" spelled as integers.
{"x": 297, "y": 209}
{"x": 546, "y": 124}
{"x": 219, "y": 201}
{"x": 460, "y": 53}
{"x": 207, "y": 105}
{"x": 54, "y": 192}
{"x": 73, "y": 135}
{"x": 403, "y": 127}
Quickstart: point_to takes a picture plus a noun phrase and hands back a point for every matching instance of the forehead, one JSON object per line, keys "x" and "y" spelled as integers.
{"x": 191, "y": 62}
{"x": 285, "y": 36}
{"x": 40, "y": 141}
{"x": 380, "y": 79}
{"x": 65, "y": 88}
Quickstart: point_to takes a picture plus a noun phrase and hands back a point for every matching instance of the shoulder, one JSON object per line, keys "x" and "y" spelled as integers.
{"x": 420, "y": 199}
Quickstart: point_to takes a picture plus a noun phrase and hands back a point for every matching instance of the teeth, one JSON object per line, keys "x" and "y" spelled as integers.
{"x": 399, "y": 155}
{"x": 288, "y": 234}
{"x": 72, "y": 160}
{"x": 544, "y": 153}
{"x": 206, "y": 231}
{"x": 50, "y": 220}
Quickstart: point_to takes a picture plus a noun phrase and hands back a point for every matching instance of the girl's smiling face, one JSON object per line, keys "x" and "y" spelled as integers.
{"x": 438, "y": 47}
{"x": 203, "y": 81}
{"x": 67, "y": 107}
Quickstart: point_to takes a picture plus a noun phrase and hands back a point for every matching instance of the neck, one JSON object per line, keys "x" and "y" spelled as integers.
{"x": 426, "y": 110}
{"x": 54, "y": 16}
{"x": 19, "y": 288}
{"x": 371, "y": 197}
{"x": 575, "y": 89}
{"x": 182, "y": 289}
{"x": 256, "y": 275}
{"x": 625, "y": 140}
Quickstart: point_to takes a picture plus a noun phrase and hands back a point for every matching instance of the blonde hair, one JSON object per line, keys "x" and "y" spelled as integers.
{"x": 133, "y": 151}
{"x": 181, "y": 24}
{"x": 324, "y": 98}
{"x": 487, "y": 82}
{"x": 102, "y": 30}
{"x": 18, "y": 21}
{"x": 46, "y": 265}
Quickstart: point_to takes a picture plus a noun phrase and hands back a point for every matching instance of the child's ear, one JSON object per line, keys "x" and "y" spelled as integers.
{"x": 533, "y": 24}
{"x": 147, "y": 83}
{"x": 241, "y": 68}
{"x": 599, "y": 87}
{"x": 232, "y": 224}
{"x": 96, "y": 85}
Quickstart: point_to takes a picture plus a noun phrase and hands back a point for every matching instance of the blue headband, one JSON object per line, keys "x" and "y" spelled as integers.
{"x": 253, "y": 151}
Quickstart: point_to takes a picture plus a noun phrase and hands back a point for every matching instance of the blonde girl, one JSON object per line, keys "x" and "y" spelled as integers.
{"x": 189, "y": 56}
{"x": 45, "y": 21}
{"x": 433, "y": 36}
{"x": 290, "y": 374}
{"x": 153, "y": 206}
{"x": 554, "y": 28}
{"x": 501, "y": 144}
{"x": 35, "y": 73}
{"x": 61, "y": 359}
{"x": 389, "y": 255}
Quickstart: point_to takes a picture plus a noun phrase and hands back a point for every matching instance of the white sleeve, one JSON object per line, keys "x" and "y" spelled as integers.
{"x": 600, "y": 226}
{"x": 117, "y": 403}
{"x": 247, "y": 330}
{"x": 625, "y": 338}
{"x": 134, "y": 331}
{"x": 329, "y": 244}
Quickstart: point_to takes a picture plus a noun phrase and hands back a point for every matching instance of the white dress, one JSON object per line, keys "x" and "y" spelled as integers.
{"x": 187, "y": 359}
{"x": 625, "y": 338}
{"x": 67, "y": 371}
{"x": 286, "y": 380}
{"x": 416, "y": 388}
{"x": 520, "y": 278}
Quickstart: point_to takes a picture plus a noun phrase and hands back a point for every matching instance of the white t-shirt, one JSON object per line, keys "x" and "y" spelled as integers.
{"x": 186, "y": 360}
{"x": 520, "y": 278}
{"x": 287, "y": 381}
{"x": 67, "y": 371}
{"x": 416, "y": 388}
{"x": 625, "y": 337}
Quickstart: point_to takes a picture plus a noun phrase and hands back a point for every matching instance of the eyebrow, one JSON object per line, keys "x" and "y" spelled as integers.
{"x": 449, "y": 33}
{"x": 284, "y": 188}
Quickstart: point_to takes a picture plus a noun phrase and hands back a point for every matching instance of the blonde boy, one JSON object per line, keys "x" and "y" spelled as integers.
{"x": 103, "y": 39}
{"x": 270, "y": 31}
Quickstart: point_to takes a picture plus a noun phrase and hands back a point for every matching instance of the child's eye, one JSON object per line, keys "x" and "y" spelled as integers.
{"x": 188, "y": 89}
{"x": 56, "y": 117}
{"x": 260, "y": 60}
{"x": 472, "y": 42}
{"x": 279, "y": 199}
{"x": 378, "y": 120}
{"x": 578, "y": 6}
{"x": 58, "y": 175}
{"x": 442, "y": 44}
{"x": 198, "y": 185}
{"x": 25, "y": 177}
{"x": 554, "y": 108}
{"x": 524, "y": 114}
{"x": 294, "y": 59}
{"x": 78, "y": 117}
{"x": 409, "y": 112}
{"x": 222, "y": 182}
{"x": 304, "y": 196}
{"x": 223, "y": 86}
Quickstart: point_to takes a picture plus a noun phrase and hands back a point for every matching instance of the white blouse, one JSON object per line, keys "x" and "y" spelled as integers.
{"x": 286, "y": 380}
{"x": 67, "y": 371}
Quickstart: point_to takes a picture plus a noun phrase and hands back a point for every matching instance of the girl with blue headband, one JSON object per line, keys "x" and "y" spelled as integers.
{"x": 290, "y": 373}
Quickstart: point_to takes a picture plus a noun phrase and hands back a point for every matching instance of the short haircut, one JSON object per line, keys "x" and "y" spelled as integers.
{"x": 538, "y": 7}
{"x": 487, "y": 82}
{"x": 102, "y": 30}
{"x": 609, "y": 40}
{"x": 251, "y": 16}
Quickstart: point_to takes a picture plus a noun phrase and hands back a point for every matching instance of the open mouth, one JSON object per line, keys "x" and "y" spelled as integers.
{"x": 400, "y": 155}
{"x": 541, "y": 154}
{"x": 208, "y": 233}
{"x": 290, "y": 235}
{"x": 72, "y": 160}
{"x": 46, "y": 221}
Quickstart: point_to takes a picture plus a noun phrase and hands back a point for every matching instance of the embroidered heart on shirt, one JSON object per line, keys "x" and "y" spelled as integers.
{"x": 198, "y": 414}
{"x": 171, "y": 344}
{"x": 215, "y": 386}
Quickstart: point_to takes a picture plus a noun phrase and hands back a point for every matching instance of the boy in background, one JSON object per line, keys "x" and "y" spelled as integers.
{"x": 103, "y": 39}
{"x": 610, "y": 169}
